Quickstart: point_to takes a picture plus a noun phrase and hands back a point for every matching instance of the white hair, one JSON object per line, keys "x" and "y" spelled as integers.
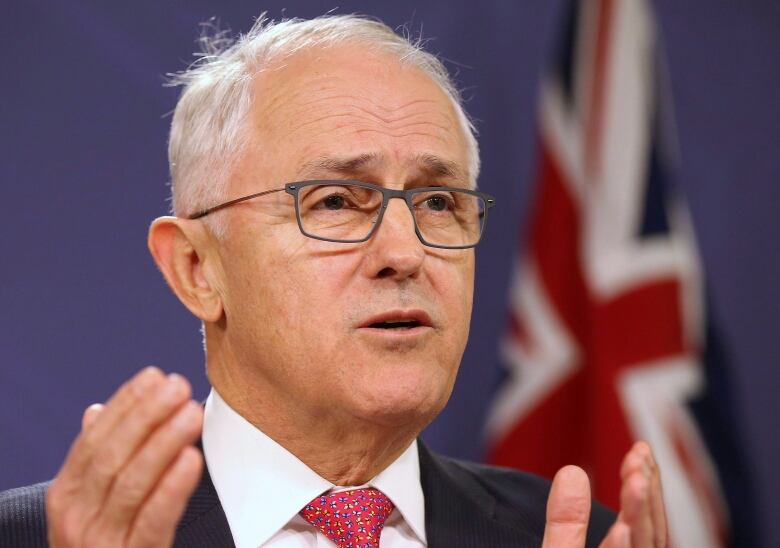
{"x": 208, "y": 128}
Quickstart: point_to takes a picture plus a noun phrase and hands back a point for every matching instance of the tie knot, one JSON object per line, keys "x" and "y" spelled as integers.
{"x": 351, "y": 519}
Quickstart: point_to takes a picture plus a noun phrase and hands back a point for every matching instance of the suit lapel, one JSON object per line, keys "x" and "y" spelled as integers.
{"x": 459, "y": 512}
{"x": 204, "y": 523}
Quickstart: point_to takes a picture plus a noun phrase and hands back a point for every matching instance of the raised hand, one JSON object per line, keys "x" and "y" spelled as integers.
{"x": 641, "y": 522}
{"x": 128, "y": 476}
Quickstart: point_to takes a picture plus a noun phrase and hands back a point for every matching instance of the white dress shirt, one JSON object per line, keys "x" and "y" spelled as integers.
{"x": 262, "y": 487}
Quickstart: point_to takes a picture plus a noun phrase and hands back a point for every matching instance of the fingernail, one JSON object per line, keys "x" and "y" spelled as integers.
{"x": 172, "y": 390}
{"x": 146, "y": 379}
{"x": 175, "y": 377}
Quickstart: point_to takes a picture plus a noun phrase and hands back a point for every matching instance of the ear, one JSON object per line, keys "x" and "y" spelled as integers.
{"x": 183, "y": 252}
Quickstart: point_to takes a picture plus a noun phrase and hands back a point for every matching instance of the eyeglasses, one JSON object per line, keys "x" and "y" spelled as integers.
{"x": 350, "y": 211}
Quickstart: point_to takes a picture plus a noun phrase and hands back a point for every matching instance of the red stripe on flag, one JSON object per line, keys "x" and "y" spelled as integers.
{"x": 554, "y": 244}
{"x": 598, "y": 91}
{"x": 639, "y": 326}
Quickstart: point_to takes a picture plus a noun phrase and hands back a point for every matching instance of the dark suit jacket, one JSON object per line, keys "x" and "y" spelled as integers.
{"x": 466, "y": 505}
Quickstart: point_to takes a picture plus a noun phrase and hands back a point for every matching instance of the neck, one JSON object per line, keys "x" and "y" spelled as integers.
{"x": 343, "y": 449}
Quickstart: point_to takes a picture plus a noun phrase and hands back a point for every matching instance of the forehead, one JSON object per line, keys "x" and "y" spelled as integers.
{"x": 351, "y": 100}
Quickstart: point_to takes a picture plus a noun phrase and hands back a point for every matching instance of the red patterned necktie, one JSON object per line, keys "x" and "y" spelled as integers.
{"x": 351, "y": 519}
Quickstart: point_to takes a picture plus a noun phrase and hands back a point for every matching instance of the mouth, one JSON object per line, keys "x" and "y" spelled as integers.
{"x": 399, "y": 321}
{"x": 397, "y": 324}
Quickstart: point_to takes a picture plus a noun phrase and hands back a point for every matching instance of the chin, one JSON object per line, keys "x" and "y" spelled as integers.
{"x": 405, "y": 400}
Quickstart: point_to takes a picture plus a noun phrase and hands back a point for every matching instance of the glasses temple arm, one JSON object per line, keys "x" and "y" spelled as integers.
{"x": 204, "y": 212}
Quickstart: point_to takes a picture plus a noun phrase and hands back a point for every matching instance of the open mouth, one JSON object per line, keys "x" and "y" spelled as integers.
{"x": 398, "y": 321}
{"x": 396, "y": 324}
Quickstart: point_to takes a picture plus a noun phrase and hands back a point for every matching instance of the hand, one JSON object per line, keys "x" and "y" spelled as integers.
{"x": 128, "y": 476}
{"x": 641, "y": 522}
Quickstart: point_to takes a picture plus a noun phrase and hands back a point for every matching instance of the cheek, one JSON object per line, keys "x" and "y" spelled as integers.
{"x": 316, "y": 279}
{"x": 453, "y": 281}
{"x": 302, "y": 287}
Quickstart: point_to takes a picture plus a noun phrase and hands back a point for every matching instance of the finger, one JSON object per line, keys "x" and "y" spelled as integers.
{"x": 83, "y": 449}
{"x": 138, "y": 479}
{"x": 657, "y": 510}
{"x": 156, "y": 523}
{"x": 635, "y": 509}
{"x": 75, "y": 495}
{"x": 90, "y": 415}
{"x": 568, "y": 509}
{"x": 618, "y": 536}
{"x": 117, "y": 433}
{"x": 640, "y": 460}
{"x": 117, "y": 446}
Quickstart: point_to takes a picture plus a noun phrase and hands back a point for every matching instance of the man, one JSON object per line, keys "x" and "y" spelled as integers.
{"x": 334, "y": 315}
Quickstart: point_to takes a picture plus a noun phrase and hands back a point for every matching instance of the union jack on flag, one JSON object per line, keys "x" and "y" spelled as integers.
{"x": 607, "y": 315}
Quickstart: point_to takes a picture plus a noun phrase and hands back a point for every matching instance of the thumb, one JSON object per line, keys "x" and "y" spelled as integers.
{"x": 90, "y": 414}
{"x": 568, "y": 509}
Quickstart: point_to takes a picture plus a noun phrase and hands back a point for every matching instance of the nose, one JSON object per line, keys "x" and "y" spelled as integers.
{"x": 395, "y": 251}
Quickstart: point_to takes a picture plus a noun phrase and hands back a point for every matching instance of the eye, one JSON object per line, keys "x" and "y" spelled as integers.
{"x": 333, "y": 202}
{"x": 436, "y": 203}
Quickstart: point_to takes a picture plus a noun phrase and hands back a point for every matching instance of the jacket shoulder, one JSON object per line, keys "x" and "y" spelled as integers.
{"x": 510, "y": 491}
{"x": 23, "y": 516}
{"x": 519, "y": 497}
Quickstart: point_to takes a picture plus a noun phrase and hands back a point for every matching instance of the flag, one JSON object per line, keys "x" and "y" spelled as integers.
{"x": 608, "y": 323}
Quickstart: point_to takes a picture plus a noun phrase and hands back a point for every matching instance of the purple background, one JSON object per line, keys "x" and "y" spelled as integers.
{"x": 83, "y": 129}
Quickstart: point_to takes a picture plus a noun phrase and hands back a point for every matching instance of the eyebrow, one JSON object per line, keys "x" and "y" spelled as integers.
{"x": 439, "y": 166}
{"x": 339, "y": 165}
{"x": 429, "y": 164}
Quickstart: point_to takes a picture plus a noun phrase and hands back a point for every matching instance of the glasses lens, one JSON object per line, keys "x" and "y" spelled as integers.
{"x": 338, "y": 212}
{"x": 347, "y": 213}
{"x": 448, "y": 217}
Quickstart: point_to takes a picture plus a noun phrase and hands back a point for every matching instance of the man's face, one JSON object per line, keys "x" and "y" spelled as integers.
{"x": 301, "y": 315}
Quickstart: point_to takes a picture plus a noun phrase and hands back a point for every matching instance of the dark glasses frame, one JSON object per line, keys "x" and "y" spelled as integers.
{"x": 387, "y": 194}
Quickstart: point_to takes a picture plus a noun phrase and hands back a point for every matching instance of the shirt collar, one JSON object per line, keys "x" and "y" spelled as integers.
{"x": 255, "y": 476}
{"x": 401, "y": 483}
